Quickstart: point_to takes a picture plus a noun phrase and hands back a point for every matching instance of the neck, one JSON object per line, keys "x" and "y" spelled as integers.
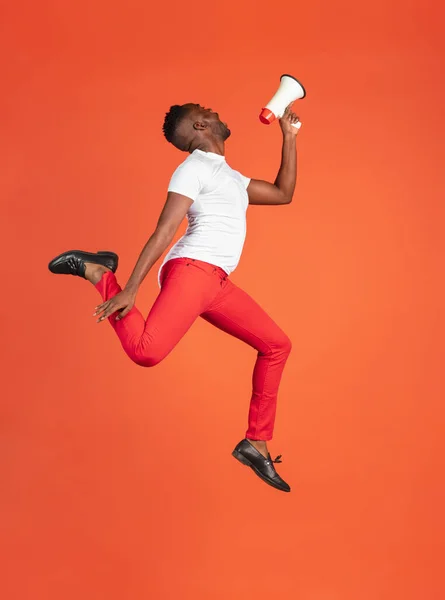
{"x": 215, "y": 146}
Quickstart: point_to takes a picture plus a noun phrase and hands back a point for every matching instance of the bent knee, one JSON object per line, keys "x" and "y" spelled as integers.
{"x": 147, "y": 361}
{"x": 285, "y": 344}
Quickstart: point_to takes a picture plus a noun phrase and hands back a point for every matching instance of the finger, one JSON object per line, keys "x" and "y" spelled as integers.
{"x": 123, "y": 313}
{"x": 107, "y": 313}
{"x": 101, "y": 307}
{"x": 285, "y": 113}
{"x": 105, "y": 316}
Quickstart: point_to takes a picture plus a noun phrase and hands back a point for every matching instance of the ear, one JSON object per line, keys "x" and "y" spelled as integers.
{"x": 200, "y": 125}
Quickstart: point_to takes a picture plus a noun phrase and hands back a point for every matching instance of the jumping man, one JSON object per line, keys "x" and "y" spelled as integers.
{"x": 194, "y": 276}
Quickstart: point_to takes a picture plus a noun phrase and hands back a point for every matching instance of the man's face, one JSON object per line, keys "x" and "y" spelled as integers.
{"x": 199, "y": 113}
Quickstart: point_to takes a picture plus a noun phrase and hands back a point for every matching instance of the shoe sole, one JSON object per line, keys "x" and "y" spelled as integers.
{"x": 245, "y": 461}
{"x": 103, "y": 252}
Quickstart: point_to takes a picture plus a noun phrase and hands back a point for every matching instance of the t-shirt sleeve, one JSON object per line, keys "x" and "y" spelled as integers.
{"x": 187, "y": 180}
{"x": 246, "y": 180}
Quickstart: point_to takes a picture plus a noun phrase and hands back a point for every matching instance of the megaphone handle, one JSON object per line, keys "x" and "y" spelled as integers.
{"x": 297, "y": 124}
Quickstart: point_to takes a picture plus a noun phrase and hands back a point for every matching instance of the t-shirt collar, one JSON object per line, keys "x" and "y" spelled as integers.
{"x": 211, "y": 155}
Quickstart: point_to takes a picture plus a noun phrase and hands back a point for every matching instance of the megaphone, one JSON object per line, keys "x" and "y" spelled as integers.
{"x": 290, "y": 89}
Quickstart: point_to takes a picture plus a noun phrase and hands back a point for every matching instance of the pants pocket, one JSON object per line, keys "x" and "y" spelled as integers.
{"x": 207, "y": 270}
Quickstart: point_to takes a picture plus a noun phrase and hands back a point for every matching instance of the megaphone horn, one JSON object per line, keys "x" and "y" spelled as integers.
{"x": 290, "y": 89}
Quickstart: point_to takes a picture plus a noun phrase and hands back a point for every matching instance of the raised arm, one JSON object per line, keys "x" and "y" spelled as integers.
{"x": 174, "y": 211}
{"x": 282, "y": 190}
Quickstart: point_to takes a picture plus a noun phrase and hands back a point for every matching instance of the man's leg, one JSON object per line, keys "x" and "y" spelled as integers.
{"x": 236, "y": 313}
{"x": 179, "y": 303}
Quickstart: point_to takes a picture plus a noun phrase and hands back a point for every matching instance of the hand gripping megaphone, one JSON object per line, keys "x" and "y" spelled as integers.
{"x": 290, "y": 89}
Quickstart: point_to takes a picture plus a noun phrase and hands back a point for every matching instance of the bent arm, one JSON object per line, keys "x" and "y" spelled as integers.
{"x": 174, "y": 211}
{"x": 282, "y": 190}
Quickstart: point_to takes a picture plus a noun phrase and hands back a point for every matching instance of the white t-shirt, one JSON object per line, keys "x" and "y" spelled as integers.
{"x": 217, "y": 218}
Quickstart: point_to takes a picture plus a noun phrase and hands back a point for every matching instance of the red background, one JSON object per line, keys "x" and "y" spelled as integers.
{"x": 117, "y": 482}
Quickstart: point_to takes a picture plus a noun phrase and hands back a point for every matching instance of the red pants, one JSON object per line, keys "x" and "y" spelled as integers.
{"x": 191, "y": 289}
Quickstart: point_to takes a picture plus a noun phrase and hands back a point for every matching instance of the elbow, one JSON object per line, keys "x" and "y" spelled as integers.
{"x": 286, "y": 196}
{"x": 164, "y": 235}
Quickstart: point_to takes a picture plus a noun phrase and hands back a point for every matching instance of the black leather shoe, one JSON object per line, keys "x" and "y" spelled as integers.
{"x": 73, "y": 262}
{"x": 263, "y": 467}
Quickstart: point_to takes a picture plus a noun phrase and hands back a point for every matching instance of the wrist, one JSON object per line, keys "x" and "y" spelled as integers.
{"x": 289, "y": 135}
{"x": 131, "y": 288}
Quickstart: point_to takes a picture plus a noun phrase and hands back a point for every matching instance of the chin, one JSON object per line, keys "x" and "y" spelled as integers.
{"x": 227, "y": 134}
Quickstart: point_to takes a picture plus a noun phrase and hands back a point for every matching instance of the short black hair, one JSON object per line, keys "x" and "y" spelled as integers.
{"x": 171, "y": 122}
